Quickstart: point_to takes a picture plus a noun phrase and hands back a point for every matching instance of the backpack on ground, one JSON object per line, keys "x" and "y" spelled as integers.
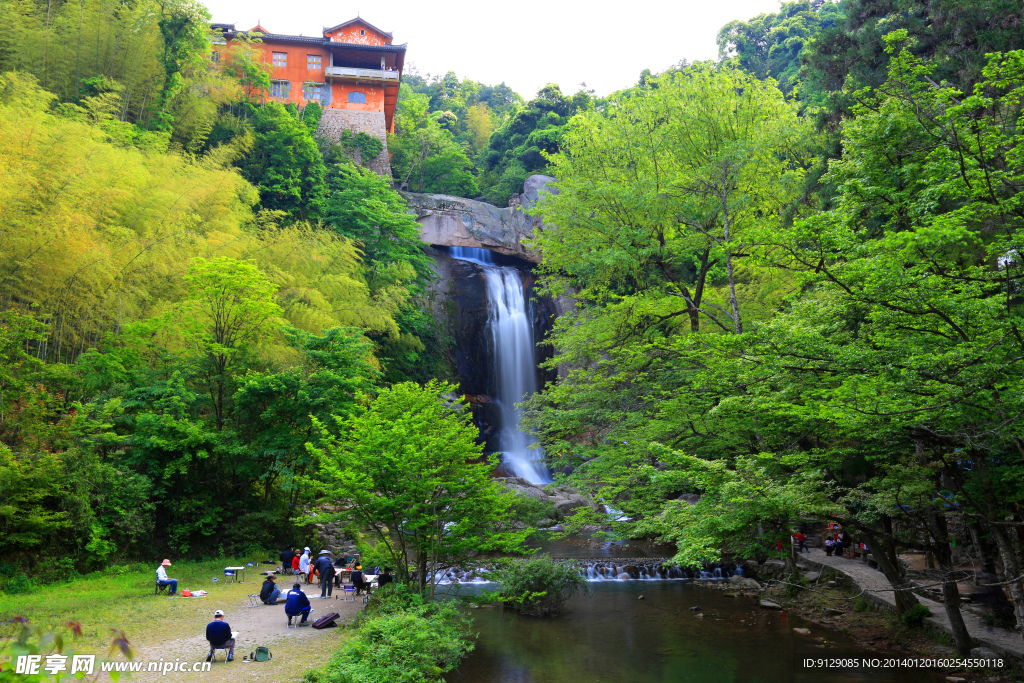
{"x": 261, "y": 654}
{"x": 327, "y": 620}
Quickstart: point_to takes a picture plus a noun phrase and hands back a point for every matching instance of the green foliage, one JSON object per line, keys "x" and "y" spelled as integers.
{"x": 412, "y": 473}
{"x": 520, "y": 146}
{"x": 772, "y": 45}
{"x": 368, "y": 146}
{"x": 426, "y": 156}
{"x": 915, "y": 616}
{"x": 400, "y": 638}
{"x": 539, "y": 586}
{"x": 285, "y": 164}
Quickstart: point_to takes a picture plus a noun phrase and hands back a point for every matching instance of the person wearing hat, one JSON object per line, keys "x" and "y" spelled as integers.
{"x": 304, "y": 563}
{"x": 324, "y": 566}
{"x": 162, "y": 580}
{"x": 269, "y": 592}
{"x": 358, "y": 581}
{"x": 219, "y": 634}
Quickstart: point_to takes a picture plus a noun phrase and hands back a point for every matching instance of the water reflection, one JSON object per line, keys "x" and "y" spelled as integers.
{"x": 614, "y": 637}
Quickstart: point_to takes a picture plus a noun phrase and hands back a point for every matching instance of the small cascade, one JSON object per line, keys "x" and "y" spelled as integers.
{"x": 647, "y": 569}
{"x": 515, "y": 367}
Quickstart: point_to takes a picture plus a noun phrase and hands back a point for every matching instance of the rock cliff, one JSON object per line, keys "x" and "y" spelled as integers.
{"x": 457, "y": 222}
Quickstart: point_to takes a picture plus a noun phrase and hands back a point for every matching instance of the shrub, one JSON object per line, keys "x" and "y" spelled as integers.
{"x": 539, "y": 586}
{"x": 399, "y": 638}
{"x": 915, "y": 616}
{"x": 861, "y": 605}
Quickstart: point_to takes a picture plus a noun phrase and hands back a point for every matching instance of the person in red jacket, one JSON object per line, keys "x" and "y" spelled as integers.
{"x": 801, "y": 540}
{"x": 295, "y": 565}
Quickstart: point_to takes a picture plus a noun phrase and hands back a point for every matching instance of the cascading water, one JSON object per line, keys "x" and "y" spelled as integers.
{"x": 514, "y": 364}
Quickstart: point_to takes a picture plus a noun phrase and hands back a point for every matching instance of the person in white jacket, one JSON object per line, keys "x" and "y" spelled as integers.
{"x": 163, "y": 580}
{"x": 304, "y": 562}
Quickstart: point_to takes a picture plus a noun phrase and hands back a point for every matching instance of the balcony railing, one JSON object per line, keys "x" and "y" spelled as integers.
{"x": 352, "y": 72}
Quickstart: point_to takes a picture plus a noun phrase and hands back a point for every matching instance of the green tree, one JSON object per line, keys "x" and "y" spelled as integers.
{"x": 229, "y": 308}
{"x": 276, "y": 410}
{"x": 285, "y": 164}
{"x": 410, "y": 470}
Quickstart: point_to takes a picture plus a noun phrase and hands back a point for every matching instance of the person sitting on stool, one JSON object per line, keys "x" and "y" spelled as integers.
{"x": 324, "y": 566}
{"x": 297, "y": 604}
{"x": 385, "y": 578}
{"x": 358, "y": 581}
{"x": 219, "y": 634}
{"x": 162, "y": 580}
{"x": 269, "y": 593}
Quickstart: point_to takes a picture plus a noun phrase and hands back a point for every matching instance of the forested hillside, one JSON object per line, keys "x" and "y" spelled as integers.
{"x": 187, "y": 279}
{"x": 798, "y": 291}
{"x": 793, "y": 279}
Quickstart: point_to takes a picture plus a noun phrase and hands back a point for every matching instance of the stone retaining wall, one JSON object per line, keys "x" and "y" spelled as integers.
{"x": 334, "y": 122}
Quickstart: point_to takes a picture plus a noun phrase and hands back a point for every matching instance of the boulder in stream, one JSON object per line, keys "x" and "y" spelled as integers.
{"x": 768, "y": 604}
{"x": 744, "y": 582}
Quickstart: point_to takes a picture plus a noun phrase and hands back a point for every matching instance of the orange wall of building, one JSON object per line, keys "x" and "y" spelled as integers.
{"x": 296, "y": 72}
{"x": 374, "y": 96}
{"x": 350, "y": 34}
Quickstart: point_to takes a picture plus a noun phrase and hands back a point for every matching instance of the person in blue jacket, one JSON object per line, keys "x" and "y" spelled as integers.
{"x": 219, "y": 634}
{"x": 296, "y": 603}
{"x": 324, "y": 566}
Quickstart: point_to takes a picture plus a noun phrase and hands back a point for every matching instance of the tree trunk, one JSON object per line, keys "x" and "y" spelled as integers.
{"x": 950, "y": 592}
{"x": 733, "y": 302}
{"x": 1012, "y": 568}
{"x": 889, "y": 565}
{"x": 421, "y": 571}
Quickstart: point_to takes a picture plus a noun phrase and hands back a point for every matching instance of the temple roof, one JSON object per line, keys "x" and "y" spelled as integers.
{"x": 358, "y": 20}
{"x": 229, "y": 30}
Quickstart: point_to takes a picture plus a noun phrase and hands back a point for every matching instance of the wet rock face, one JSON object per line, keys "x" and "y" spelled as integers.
{"x": 460, "y": 304}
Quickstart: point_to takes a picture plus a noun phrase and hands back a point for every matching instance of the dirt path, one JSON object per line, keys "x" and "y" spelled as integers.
{"x": 294, "y": 650}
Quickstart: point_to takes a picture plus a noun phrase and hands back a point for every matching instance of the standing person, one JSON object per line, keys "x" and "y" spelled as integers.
{"x": 269, "y": 593}
{"x": 162, "y": 580}
{"x": 845, "y": 542}
{"x": 297, "y": 603}
{"x": 801, "y": 540}
{"x": 295, "y": 565}
{"x": 286, "y": 558}
{"x": 324, "y": 566}
{"x": 829, "y": 546}
{"x": 838, "y": 545}
{"x": 304, "y": 564}
{"x": 219, "y": 634}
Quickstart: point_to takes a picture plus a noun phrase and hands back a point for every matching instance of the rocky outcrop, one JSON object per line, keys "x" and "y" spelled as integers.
{"x": 563, "y": 498}
{"x": 457, "y": 222}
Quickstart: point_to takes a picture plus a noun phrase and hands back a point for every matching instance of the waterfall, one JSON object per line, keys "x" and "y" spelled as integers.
{"x": 514, "y": 365}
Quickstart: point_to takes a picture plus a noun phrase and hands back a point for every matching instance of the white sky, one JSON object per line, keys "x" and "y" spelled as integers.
{"x": 525, "y": 43}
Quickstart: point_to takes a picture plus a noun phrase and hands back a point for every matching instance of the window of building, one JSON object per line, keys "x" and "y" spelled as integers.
{"x": 357, "y": 97}
{"x": 312, "y": 61}
{"x": 362, "y": 31}
{"x": 215, "y": 56}
{"x": 280, "y": 59}
{"x": 280, "y": 88}
{"x": 313, "y": 91}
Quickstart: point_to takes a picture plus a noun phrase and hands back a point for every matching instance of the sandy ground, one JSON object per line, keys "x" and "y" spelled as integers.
{"x": 294, "y": 650}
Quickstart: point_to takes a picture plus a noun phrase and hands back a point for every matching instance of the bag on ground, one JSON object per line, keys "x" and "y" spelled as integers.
{"x": 261, "y": 654}
{"x": 327, "y": 620}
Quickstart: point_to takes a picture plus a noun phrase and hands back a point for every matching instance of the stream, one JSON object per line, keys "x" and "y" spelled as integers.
{"x": 614, "y": 637}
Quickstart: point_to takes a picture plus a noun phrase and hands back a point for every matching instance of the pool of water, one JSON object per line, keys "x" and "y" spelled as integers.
{"x": 615, "y": 637}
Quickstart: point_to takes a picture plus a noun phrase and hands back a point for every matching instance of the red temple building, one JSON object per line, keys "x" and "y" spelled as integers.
{"x": 353, "y": 70}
